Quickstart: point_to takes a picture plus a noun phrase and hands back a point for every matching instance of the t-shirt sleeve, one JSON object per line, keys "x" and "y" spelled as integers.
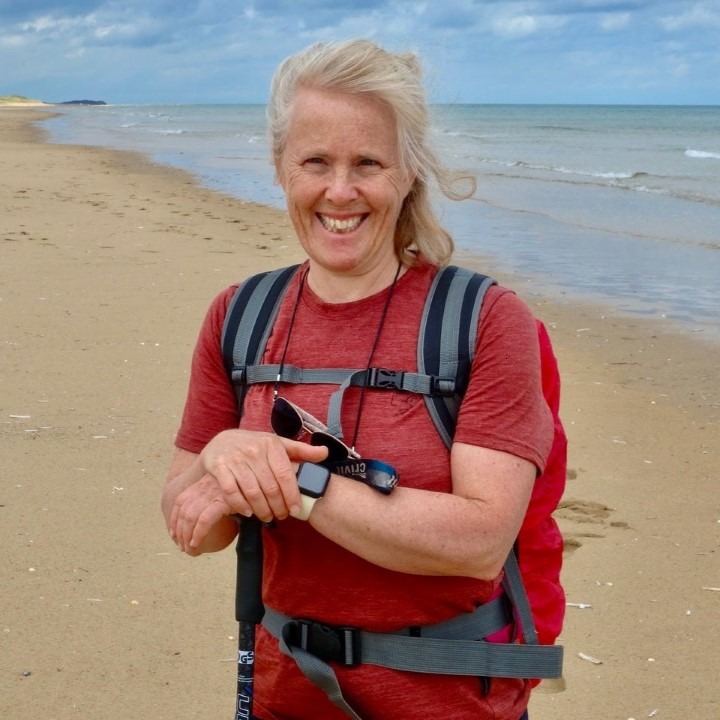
{"x": 503, "y": 407}
{"x": 210, "y": 406}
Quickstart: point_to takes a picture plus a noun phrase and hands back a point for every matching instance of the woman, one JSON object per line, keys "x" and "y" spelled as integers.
{"x": 348, "y": 127}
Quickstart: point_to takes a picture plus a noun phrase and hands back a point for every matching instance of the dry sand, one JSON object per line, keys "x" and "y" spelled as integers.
{"x": 107, "y": 264}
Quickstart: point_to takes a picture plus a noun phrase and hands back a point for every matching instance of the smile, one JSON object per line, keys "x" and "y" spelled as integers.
{"x": 337, "y": 225}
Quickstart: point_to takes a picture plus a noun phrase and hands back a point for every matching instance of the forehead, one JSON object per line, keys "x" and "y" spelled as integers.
{"x": 328, "y": 117}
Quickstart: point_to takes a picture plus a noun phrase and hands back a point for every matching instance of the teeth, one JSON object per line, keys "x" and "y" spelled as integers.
{"x": 341, "y": 226}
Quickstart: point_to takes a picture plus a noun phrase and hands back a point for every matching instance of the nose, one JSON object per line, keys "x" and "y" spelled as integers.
{"x": 342, "y": 188}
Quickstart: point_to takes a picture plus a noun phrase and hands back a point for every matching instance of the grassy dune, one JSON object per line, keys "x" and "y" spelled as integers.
{"x": 19, "y": 100}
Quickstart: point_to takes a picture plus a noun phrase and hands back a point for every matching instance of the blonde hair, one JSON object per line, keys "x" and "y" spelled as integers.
{"x": 361, "y": 66}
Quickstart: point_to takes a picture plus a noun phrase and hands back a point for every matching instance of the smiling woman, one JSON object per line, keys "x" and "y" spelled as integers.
{"x": 348, "y": 127}
{"x": 344, "y": 190}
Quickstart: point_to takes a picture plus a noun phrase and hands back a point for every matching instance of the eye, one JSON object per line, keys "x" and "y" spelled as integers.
{"x": 315, "y": 161}
{"x": 369, "y": 162}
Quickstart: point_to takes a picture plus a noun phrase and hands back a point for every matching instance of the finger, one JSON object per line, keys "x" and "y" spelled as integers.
{"x": 189, "y": 506}
{"x": 304, "y": 452}
{"x": 284, "y": 466}
{"x": 262, "y": 493}
{"x": 172, "y": 520}
{"x": 212, "y": 514}
{"x": 235, "y": 483}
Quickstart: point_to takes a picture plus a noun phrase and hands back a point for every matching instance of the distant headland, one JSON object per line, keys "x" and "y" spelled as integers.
{"x": 22, "y": 101}
{"x": 82, "y": 102}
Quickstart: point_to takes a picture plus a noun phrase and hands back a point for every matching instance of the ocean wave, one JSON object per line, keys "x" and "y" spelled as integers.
{"x": 168, "y": 132}
{"x": 621, "y": 184}
{"x": 602, "y": 175}
{"x": 623, "y": 175}
{"x": 702, "y": 154}
{"x": 564, "y": 128}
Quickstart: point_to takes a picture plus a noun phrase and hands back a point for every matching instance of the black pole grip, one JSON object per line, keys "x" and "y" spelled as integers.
{"x": 248, "y": 586}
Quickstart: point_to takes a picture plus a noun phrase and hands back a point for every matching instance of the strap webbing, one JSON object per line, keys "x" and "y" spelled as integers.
{"x": 249, "y": 320}
{"x": 448, "y": 333}
{"x": 515, "y": 588}
{"x": 440, "y": 649}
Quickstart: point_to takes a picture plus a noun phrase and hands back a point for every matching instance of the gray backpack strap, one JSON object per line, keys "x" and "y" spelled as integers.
{"x": 453, "y": 647}
{"x": 515, "y": 589}
{"x": 248, "y": 323}
{"x": 448, "y": 333}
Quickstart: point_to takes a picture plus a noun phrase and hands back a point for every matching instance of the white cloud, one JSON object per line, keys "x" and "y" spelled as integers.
{"x": 524, "y": 24}
{"x": 473, "y": 51}
{"x": 12, "y": 41}
{"x": 48, "y": 24}
{"x": 701, "y": 15}
{"x": 610, "y": 22}
{"x": 679, "y": 68}
{"x": 515, "y": 26}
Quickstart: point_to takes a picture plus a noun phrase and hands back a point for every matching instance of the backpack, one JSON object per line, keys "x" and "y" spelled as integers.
{"x": 446, "y": 345}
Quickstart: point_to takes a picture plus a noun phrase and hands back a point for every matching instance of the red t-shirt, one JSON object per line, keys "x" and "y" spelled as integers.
{"x": 307, "y": 575}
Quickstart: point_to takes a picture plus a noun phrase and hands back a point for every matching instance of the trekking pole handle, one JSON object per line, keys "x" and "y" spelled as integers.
{"x": 248, "y": 589}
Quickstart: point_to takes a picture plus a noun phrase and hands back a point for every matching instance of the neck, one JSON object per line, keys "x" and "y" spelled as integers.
{"x": 338, "y": 287}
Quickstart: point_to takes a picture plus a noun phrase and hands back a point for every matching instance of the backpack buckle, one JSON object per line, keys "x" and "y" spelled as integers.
{"x": 328, "y": 642}
{"x": 384, "y": 378}
{"x": 238, "y": 375}
{"x": 442, "y": 386}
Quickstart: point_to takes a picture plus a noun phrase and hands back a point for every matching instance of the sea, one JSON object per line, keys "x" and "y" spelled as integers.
{"x": 616, "y": 205}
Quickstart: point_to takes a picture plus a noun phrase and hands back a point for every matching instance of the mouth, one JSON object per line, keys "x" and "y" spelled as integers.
{"x": 341, "y": 225}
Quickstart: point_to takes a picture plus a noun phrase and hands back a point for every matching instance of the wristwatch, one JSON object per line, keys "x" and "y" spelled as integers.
{"x": 312, "y": 483}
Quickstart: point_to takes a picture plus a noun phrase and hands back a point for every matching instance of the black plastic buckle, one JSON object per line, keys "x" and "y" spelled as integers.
{"x": 384, "y": 378}
{"x": 327, "y": 642}
{"x": 238, "y": 375}
{"x": 442, "y": 386}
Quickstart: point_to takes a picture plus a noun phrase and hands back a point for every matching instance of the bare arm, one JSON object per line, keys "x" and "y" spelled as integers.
{"x": 468, "y": 532}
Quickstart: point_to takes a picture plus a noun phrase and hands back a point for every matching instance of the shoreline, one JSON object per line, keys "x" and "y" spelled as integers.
{"x": 646, "y": 266}
{"x": 109, "y": 263}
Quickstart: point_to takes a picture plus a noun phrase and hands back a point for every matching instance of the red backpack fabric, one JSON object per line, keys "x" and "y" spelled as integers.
{"x": 540, "y": 543}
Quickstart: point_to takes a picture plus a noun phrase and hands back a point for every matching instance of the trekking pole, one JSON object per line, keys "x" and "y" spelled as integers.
{"x": 249, "y": 609}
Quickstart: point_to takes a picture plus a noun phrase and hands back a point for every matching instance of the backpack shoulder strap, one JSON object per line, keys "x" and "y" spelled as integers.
{"x": 448, "y": 333}
{"x": 248, "y": 322}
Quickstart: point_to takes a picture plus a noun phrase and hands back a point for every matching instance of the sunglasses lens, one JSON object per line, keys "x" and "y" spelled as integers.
{"x": 285, "y": 420}
{"x": 337, "y": 451}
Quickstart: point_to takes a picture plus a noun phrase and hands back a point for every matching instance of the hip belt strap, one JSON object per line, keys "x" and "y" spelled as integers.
{"x": 437, "y": 649}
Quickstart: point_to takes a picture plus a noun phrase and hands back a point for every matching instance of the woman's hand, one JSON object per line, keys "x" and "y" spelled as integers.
{"x": 256, "y": 471}
{"x": 238, "y": 472}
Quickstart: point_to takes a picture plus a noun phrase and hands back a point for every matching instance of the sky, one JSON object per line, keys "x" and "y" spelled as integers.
{"x": 225, "y": 51}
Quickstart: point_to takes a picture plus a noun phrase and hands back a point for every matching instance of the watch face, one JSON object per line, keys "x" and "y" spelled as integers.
{"x": 313, "y": 479}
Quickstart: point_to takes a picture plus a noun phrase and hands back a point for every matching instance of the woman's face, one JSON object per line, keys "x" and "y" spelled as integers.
{"x": 342, "y": 178}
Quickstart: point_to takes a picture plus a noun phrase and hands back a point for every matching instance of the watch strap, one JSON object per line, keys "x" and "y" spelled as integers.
{"x": 307, "y": 503}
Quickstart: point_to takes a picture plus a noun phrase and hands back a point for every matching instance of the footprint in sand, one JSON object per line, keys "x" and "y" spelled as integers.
{"x": 574, "y": 517}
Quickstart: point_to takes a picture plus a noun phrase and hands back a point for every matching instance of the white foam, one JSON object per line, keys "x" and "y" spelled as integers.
{"x": 703, "y": 154}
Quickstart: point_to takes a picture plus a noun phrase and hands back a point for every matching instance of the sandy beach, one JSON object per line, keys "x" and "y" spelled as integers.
{"x": 107, "y": 265}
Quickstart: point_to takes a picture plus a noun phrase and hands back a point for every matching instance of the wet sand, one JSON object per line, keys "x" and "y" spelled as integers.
{"x": 107, "y": 264}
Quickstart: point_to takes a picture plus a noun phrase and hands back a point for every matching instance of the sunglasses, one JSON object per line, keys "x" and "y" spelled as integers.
{"x": 292, "y": 422}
